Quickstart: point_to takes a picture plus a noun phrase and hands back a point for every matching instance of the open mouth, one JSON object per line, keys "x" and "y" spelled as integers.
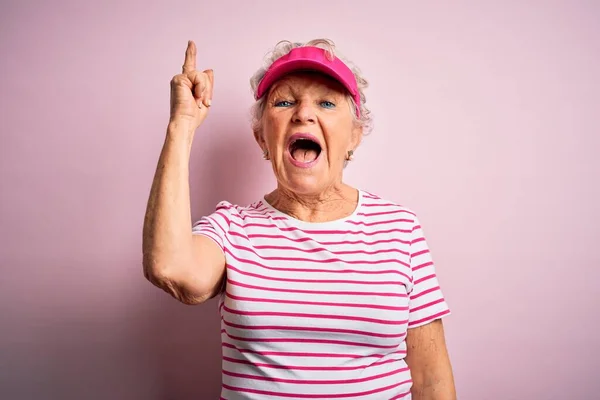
{"x": 304, "y": 149}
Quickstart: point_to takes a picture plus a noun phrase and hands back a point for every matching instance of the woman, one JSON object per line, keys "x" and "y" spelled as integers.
{"x": 325, "y": 291}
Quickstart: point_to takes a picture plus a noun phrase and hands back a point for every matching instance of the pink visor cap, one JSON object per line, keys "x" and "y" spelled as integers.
{"x": 313, "y": 59}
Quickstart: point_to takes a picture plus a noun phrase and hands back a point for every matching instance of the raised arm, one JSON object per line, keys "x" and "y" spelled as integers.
{"x": 189, "y": 267}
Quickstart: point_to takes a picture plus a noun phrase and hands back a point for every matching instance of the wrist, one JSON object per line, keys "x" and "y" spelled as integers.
{"x": 182, "y": 127}
{"x": 180, "y": 132}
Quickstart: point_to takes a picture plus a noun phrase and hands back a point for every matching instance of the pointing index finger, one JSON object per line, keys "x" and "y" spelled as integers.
{"x": 189, "y": 64}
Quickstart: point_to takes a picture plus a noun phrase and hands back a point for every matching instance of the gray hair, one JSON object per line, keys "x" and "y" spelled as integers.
{"x": 284, "y": 47}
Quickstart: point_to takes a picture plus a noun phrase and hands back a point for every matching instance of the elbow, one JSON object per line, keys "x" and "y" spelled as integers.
{"x": 173, "y": 282}
{"x": 432, "y": 387}
{"x": 419, "y": 387}
{"x": 154, "y": 271}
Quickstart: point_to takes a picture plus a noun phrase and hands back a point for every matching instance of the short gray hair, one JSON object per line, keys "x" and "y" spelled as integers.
{"x": 284, "y": 47}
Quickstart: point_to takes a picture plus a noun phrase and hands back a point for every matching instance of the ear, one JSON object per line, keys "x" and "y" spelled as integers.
{"x": 356, "y": 138}
{"x": 259, "y": 137}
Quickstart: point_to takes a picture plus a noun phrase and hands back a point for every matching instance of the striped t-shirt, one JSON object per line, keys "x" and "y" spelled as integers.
{"x": 321, "y": 310}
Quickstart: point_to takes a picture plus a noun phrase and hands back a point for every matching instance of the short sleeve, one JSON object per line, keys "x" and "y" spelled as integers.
{"x": 426, "y": 300}
{"x": 216, "y": 225}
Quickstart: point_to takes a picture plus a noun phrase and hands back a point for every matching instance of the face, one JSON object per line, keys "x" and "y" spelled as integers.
{"x": 308, "y": 128}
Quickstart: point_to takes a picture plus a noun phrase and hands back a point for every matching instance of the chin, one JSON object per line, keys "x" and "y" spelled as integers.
{"x": 304, "y": 184}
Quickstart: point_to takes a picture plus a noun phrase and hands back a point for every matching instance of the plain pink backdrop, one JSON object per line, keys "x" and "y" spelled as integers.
{"x": 486, "y": 123}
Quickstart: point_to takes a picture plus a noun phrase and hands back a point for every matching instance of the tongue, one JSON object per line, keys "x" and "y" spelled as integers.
{"x": 304, "y": 155}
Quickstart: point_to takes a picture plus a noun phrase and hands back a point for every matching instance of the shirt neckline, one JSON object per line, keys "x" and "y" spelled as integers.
{"x": 276, "y": 213}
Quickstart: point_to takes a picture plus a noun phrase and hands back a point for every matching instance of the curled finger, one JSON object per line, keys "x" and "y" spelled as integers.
{"x": 198, "y": 86}
{"x": 209, "y": 86}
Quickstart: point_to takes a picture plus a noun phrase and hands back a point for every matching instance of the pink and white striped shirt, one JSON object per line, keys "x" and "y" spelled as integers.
{"x": 321, "y": 310}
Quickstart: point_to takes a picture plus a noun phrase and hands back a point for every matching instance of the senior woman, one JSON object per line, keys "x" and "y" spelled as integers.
{"x": 324, "y": 290}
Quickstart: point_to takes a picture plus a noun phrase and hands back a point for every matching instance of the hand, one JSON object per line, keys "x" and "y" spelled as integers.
{"x": 191, "y": 91}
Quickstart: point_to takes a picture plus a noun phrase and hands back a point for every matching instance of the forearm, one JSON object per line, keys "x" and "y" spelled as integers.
{"x": 167, "y": 239}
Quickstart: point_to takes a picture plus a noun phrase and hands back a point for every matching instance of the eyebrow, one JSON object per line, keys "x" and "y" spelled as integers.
{"x": 285, "y": 89}
{"x": 280, "y": 90}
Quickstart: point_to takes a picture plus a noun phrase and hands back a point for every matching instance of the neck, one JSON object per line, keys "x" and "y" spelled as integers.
{"x": 335, "y": 203}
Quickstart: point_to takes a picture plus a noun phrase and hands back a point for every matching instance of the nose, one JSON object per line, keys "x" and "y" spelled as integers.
{"x": 304, "y": 114}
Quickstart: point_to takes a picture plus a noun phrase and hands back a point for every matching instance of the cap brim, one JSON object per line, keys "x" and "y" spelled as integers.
{"x": 298, "y": 65}
{"x": 310, "y": 59}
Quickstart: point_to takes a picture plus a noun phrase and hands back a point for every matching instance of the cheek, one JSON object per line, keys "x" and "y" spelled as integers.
{"x": 274, "y": 128}
{"x": 271, "y": 121}
{"x": 339, "y": 137}
{"x": 274, "y": 117}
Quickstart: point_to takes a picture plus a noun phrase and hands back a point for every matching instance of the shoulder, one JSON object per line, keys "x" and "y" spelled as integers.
{"x": 231, "y": 210}
{"x": 374, "y": 205}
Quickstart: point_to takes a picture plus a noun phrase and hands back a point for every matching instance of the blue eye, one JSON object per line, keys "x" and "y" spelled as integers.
{"x": 283, "y": 103}
{"x": 327, "y": 104}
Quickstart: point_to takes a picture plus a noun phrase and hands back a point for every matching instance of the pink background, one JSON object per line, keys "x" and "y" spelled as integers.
{"x": 486, "y": 123}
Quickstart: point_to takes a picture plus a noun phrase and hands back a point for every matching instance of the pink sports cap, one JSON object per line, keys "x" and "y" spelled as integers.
{"x": 314, "y": 59}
